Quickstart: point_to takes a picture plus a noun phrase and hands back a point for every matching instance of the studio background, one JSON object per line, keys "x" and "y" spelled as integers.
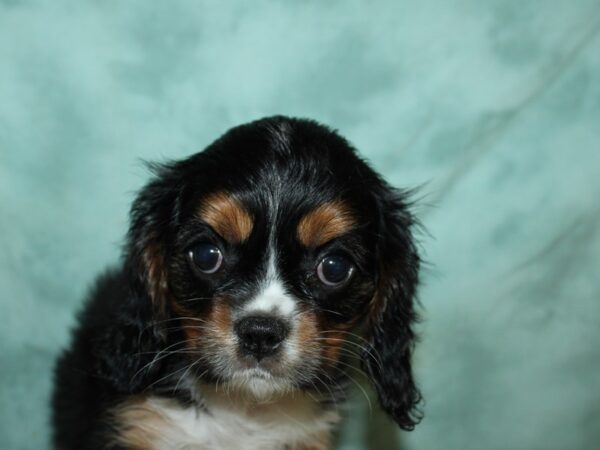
{"x": 493, "y": 107}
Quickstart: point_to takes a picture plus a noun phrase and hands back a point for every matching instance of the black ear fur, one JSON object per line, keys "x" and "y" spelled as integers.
{"x": 388, "y": 358}
{"x": 126, "y": 346}
{"x": 154, "y": 213}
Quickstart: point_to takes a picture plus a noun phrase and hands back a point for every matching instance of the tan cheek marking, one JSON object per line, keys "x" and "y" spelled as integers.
{"x": 192, "y": 329}
{"x": 308, "y": 331}
{"x": 324, "y": 223}
{"x": 333, "y": 344}
{"x": 218, "y": 321}
{"x": 226, "y": 215}
{"x": 139, "y": 426}
{"x": 334, "y": 339}
{"x": 312, "y": 342}
{"x": 220, "y": 318}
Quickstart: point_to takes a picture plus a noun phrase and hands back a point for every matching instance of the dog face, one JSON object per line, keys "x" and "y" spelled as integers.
{"x": 271, "y": 257}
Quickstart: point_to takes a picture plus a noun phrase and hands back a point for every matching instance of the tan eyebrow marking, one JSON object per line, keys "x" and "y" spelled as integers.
{"x": 226, "y": 215}
{"x": 325, "y": 222}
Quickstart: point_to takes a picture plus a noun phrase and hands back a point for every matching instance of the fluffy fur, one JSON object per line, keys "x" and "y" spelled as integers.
{"x": 167, "y": 355}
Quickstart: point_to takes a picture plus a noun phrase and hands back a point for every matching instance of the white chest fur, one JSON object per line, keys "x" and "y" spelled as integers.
{"x": 227, "y": 423}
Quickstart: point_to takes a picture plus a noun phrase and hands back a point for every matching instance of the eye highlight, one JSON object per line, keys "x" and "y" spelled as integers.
{"x": 206, "y": 257}
{"x": 334, "y": 270}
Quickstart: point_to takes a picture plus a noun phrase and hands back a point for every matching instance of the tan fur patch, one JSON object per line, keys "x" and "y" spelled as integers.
{"x": 324, "y": 223}
{"x": 321, "y": 442}
{"x": 220, "y": 318}
{"x": 156, "y": 276}
{"x": 148, "y": 422}
{"x": 138, "y": 424}
{"x": 217, "y": 321}
{"x": 333, "y": 342}
{"x": 307, "y": 329}
{"x": 317, "y": 337}
{"x": 227, "y": 216}
{"x": 333, "y": 337}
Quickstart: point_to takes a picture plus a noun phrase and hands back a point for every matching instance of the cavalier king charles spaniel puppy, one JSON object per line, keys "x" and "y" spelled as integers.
{"x": 253, "y": 274}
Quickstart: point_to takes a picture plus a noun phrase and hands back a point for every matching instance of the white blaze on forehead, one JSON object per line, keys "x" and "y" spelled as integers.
{"x": 273, "y": 297}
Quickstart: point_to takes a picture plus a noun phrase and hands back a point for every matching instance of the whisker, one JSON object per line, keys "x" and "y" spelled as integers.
{"x": 172, "y": 319}
{"x": 351, "y": 353}
{"x": 193, "y": 299}
{"x": 336, "y": 385}
{"x": 361, "y": 348}
{"x": 171, "y": 352}
{"x": 189, "y": 327}
{"x": 167, "y": 376}
{"x": 318, "y": 378}
{"x": 190, "y": 366}
{"x": 357, "y": 369}
{"x": 351, "y": 378}
{"x": 158, "y": 357}
{"x": 331, "y": 311}
{"x": 347, "y": 332}
{"x": 368, "y": 346}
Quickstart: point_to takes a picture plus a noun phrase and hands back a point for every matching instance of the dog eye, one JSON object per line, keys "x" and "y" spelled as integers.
{"x": 206, "y": 257}
{"x": 334, "y": 269}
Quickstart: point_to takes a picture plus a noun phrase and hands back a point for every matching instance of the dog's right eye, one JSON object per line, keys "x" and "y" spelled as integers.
{"x": 207, "y": 257}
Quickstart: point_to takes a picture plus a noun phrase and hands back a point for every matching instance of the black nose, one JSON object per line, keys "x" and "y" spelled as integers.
{"x": 261, "y": 336}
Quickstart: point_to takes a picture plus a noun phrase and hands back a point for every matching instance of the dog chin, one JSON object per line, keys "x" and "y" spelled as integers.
{"x": 259, "y": 383}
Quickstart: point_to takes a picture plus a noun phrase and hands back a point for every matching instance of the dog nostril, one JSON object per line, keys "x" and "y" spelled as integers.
{"x": 260, "y": 335}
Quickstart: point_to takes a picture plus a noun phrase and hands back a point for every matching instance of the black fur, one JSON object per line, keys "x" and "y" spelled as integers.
{"x": 128, "y": 322}
{"x": 392, "y": 336}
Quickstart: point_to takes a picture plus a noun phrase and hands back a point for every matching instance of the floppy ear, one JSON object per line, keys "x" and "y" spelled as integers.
{"x": 153, "y": 215}
{"x": 387, "y": 359}
{"x": 126, "y": 346}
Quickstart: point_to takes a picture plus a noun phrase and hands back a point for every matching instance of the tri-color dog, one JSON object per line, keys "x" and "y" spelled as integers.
{"x": 254, "y": 274}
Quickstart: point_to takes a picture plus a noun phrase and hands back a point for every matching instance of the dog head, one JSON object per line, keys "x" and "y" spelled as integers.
{"x": 274, "y": 257}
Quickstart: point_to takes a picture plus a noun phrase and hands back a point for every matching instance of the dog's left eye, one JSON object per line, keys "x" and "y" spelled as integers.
{"x": 334, "y": 269}
{"x": 207, "y": 257}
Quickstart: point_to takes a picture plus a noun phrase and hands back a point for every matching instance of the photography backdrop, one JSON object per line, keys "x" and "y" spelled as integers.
{"x": 492, "y": 107}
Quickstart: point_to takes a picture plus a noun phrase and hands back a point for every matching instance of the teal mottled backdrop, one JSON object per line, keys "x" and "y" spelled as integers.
{"x": 492, "y": 106}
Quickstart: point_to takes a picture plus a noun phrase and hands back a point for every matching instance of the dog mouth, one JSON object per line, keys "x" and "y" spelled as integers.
{"x": 272, "y": 365}
{"x": 260, "y": 382}
{"x": 258, "y": 373}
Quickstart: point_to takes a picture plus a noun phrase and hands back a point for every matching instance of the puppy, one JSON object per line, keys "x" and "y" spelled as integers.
{"x": 254, "y": 273}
